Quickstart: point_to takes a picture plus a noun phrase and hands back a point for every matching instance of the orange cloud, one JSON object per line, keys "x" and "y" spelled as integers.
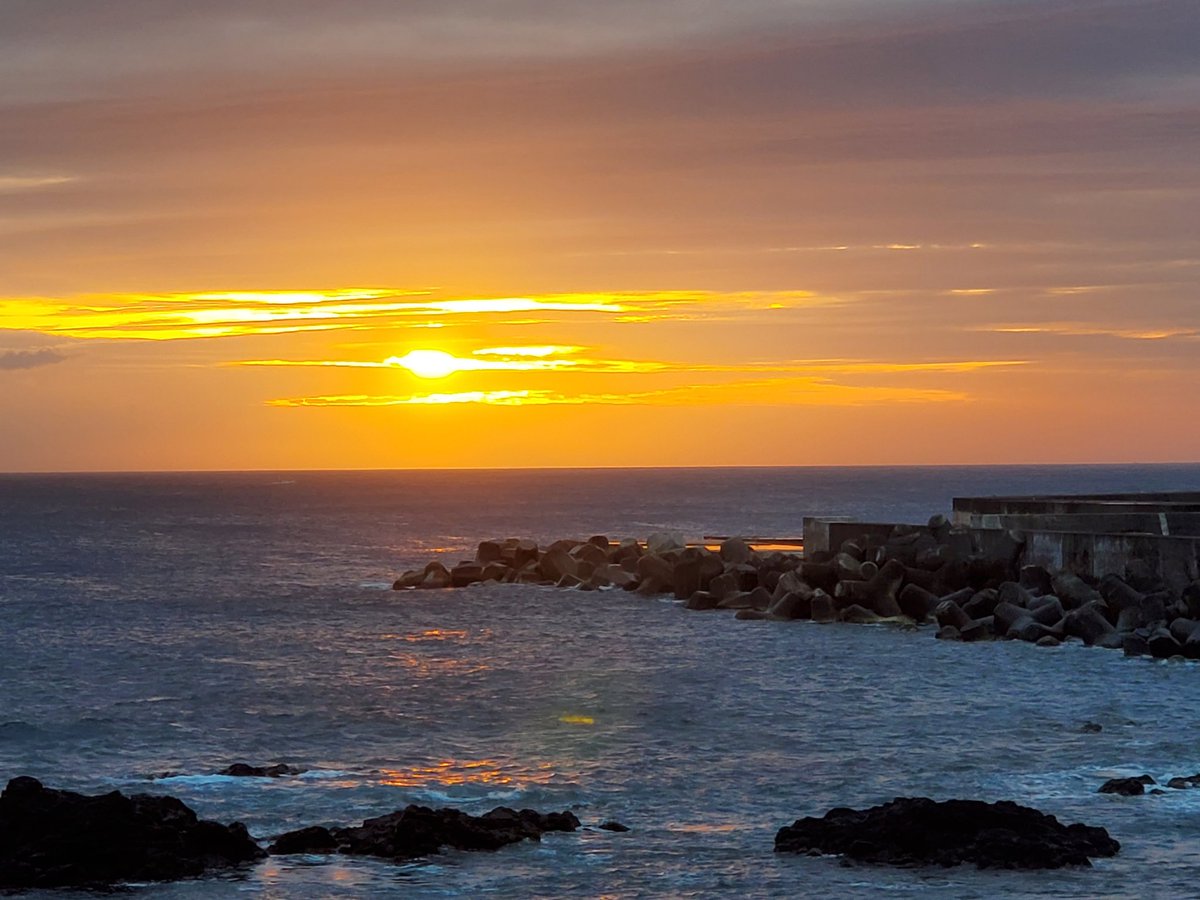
{"x": 236, "y": 313}
{"x": 776, "y": 392}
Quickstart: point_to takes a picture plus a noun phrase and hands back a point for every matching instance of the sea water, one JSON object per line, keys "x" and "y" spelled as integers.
{"x": 155, "y": 628}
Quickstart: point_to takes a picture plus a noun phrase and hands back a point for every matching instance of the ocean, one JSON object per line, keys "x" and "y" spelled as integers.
{"x": 155, "y": 628}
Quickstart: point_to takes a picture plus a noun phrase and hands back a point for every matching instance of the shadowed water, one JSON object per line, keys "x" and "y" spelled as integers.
{"x": 173, "y": 624}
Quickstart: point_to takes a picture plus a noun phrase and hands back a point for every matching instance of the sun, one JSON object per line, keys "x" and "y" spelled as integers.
{"x": 427, "y": 363}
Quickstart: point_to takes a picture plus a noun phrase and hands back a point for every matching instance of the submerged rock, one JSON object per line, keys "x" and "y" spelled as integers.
{"x": 420, "y": 831}
{"x": 245, "y": 770}
{"x": 912, "y": 831}
{"x": 613, "y": 826}
{"x": 51, "y": 838}
{"x": 1126, "y": 787}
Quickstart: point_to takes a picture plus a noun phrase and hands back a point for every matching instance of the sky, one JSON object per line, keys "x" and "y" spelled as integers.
{"x": 278, "y": 234}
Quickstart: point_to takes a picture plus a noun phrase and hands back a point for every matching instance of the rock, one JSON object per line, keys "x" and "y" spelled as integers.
{"x": 52, "y": 838}
{"x": 1114, "y": 640}
{"x": 1006, "y": 616}
{"x": 792, "y": 605}
{"x": 950, "y": 613}
{"x": 847, "y": 567}
{"x": 601, "y": 541}
{"x": 555, "y": 563}
{"x": 959, "y": 597}
{"x": 410, "y": 579}
{"x": 1126, "y": 787}
{"x": 420, "y": 831}
{"x": 723, "y": 585}
{"x": 737, "y": 600}
{"x": 751, "y": 615}
{"x": 1012, "y": 592}
{"x": 685, "y": 578}
{"x": 735, "y": 550}
{"x": 1181, "y": 629}
{"x": 1142, "y": 575}
{"x": 1091, "y": 728}
{"x": 857, "y": 615}
{"x": 488, "y": 551}
{"x": 524, "y": 552}
{"x": 629, "y": 548}
{"x": 1036, "y": 580}
{"x": 613, "y": 826}
{"x": 852, "y": 548}
{"x": 465, "y": 574}
{"x": 655, "y": 574}
{"x": 701, "y": 600}
{"x": 662, "y": 542}
{"x": 496, "y": 571}
{"x": 245, "y": 770}
{"x": 978, "y": 630}
{"x": 918, "y": 831}
{"x": 948, "y": 633}
{"x": 982, "y": 603}
{"x": 986, "y": 572}
{"x": 436, "y": 577}
{"x": 760, "y": 599}
{"x": 745, "y": 576}
{"x": 1047, "y": 610}
{"x": 1117, "y": 594}
{"x": 1162, "y": 645}
{"x": 791, "y": 582}
{"x": 822, "y": 608}
{"x": 1191, "y": 599}
{"x": 819, "y": 575}
{"x": 1030, "y": 631}
{"x": 1073, "y": 591}
{"x": 1087, "y": 624}
{"x": 1180, "y": 784}
{"x": 930, "y": 581}
{"x": 1048, "y": 641}
{"x": 314, "y": 839}
{"x": 1135, "y": 645}
{"x": 1191, "y": 647}
{"x": 916, "y": 602}
{"x": 590, "y": 553}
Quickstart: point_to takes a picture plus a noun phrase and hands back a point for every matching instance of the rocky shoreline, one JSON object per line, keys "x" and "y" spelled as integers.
{"x": 58, "y": 839}
{"x": 910, "y": 576}
{"x": 54, "y": 839}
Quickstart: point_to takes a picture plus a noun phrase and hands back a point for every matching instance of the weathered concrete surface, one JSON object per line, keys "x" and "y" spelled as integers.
{"x": 1175, "y": 559}
{"x": 1142, "y": 512}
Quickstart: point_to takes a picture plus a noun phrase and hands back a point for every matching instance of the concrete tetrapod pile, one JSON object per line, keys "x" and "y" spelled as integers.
{"x": 912, "y": 575}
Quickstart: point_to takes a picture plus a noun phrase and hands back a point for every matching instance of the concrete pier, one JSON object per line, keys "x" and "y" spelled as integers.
{"x": 1087, "y": 534}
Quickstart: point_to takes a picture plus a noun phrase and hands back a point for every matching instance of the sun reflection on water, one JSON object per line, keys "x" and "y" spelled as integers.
{"x": 451, "y": 772}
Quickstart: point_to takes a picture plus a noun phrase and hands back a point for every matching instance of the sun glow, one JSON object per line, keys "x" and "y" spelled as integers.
{"x": 427, "y": 363}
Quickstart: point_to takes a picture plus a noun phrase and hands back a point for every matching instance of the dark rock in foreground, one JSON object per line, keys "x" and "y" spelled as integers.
{"x": 918, "y": 831}
{"x": 52, "y": 838}
{"x": 420, "y": 831}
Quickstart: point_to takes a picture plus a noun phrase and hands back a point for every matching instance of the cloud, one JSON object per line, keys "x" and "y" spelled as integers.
{"x": 238, "y": 313}
{"x": 13, "y": 183}
{"x": 776, "y": 392}
{"x": 29, "y": 359}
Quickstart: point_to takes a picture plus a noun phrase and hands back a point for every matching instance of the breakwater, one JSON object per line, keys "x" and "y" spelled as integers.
{"x": 1141, "y": 596}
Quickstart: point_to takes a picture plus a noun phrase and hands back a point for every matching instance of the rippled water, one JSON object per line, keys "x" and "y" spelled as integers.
{"x": 174, "y": 624}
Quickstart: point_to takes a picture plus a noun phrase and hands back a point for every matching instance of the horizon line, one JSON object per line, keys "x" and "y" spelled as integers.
{"x": 600, "y": 468}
